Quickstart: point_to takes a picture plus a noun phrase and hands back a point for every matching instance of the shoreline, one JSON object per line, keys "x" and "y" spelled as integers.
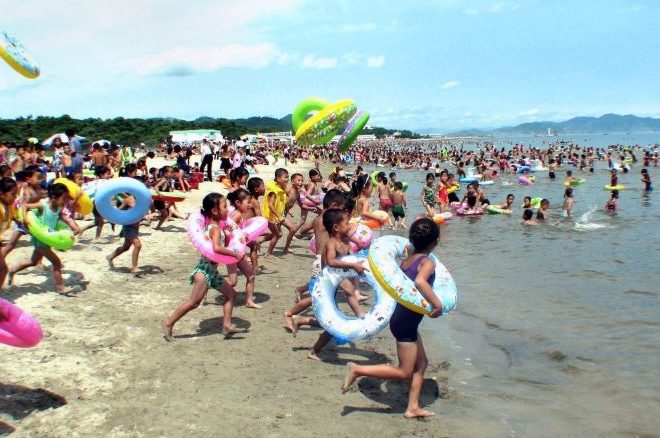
{"x": 107, "y": 369}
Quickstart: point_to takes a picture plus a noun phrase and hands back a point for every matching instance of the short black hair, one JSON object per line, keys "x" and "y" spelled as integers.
{"x": 424, "y": 233}
{"x": 254, "y": 183}
{"x": 57, "y": 190}
{"x": 332, "y": 217}
{"x": 334, "y": 196}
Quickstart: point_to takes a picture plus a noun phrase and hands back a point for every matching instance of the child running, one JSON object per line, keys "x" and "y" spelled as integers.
{"x": 424, "y": 235}
{"x": 131, "y": 235}
{"x": 51, "y": 214}
{"x": 8, "y": 213}
{"x": 205, "y": 274}
{"x": 273, "y": 207}
{"x": 240, "y": 199}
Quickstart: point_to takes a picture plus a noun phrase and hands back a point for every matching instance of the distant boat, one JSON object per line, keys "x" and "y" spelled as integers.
{"x": 551, "y": 132}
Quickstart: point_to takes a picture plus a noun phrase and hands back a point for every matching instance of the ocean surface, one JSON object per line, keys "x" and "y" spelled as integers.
{"x": 557, "y": 330}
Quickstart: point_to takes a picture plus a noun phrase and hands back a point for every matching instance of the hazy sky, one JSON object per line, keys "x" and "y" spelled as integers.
{"x": 412, "y": 64}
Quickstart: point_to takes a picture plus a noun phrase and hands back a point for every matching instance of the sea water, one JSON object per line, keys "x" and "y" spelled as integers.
{"x": 557, "y": 330}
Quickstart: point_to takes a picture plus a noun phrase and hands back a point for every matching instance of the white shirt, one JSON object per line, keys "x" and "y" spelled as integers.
{"x": 206, "y": 149}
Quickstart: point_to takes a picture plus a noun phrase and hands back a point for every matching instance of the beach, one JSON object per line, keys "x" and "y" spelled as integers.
{"x": 104, "y": 368}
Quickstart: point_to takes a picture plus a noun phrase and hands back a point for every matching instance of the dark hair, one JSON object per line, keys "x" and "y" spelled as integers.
{"x": 130, "y": 167}
{"x": 358, "y": 185}
{"x": 398, "y": 185}
{"x": 237, "y": 196}
{"x": 568, "y": 192}
{"x": 527, "y": 214}
{"x": 238, "y": 173}
{"x": 511, "y": 194}
{"x": 56, "y": 191}
{"x": 313, "y": 173}
{"x": 209, "y": 202}
{"x": 7, "y": 184}
{"x": 527, "y": 198}
{"x": 429, "y": 175}
{"x": 254, "y": 183}
{"x": 295, "y": 175}
{"x": 392, "y": 175}
{"x": 280, "y": 171}
{"x": 101, "y": 170}
{"x": 332, "y": 217}
{"x": 334, "y": 196}
{"x": 615, "y": 193}
{"x": 424, "y": 233}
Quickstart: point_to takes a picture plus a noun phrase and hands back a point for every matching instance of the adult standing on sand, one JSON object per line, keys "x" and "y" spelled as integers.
{"x": 207, "y": 160}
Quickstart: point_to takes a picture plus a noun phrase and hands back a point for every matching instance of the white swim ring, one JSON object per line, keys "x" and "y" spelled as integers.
{"x": 345, "y": 328}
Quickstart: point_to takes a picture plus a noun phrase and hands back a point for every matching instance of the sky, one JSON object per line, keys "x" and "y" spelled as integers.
{"x": 440, "y": 65}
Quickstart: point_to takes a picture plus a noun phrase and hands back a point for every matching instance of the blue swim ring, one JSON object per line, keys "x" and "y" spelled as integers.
{"x": 104, "y": 200}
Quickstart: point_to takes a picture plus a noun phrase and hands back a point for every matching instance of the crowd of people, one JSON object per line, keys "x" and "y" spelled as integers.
{"x": 337, "y": 203}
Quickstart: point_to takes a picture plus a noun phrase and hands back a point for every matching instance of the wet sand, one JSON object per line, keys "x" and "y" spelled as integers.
{"x": 104, "y": 368}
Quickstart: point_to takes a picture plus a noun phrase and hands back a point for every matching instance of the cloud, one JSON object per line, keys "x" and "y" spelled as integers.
{"x": 376, "y": 61}
{"x": 185, "y": 61}
{"x": 529, "y": 113}
{"x": 311, "y": 61}
{"x": 450, "y": 84}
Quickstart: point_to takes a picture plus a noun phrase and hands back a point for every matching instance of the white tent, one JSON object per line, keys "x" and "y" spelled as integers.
{"x": 62, "y": 136}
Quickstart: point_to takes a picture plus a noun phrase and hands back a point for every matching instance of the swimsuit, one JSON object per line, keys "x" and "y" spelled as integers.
{"x": 429, "y": 196}
{"x": 49, "y": 218}
{"x": 385, "y": 203}
{"x": 207, "y": 267}
{"x": 398, "y": 212}
{"x": 404, "y": 322}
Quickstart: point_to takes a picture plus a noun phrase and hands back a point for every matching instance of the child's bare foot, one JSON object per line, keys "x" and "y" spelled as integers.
{"x": 288, "y": 323}
{"x": 313, "y": 355}
{"x": 418, "y": 413}
{"x": 349, "y": 378}
{"x": 167, "y": 332}
{"x": 64, "y": 291}
{"x": 269, "y": 256}
{"x": 135, "y": 271}
{"x": 110, "y": 263}
{"x": 288, "y": 251}
{"x": 253, "y": 305}
{"x": 361, "y": 297}
{"x": 296, "y": 295}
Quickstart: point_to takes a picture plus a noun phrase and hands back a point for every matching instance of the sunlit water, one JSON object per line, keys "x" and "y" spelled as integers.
{"x": 557, "y": 330}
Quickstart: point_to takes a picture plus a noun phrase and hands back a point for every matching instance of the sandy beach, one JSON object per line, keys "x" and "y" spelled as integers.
{"x": 104, "y": 368}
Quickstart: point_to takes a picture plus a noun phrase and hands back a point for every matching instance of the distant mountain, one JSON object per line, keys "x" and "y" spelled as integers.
{"x": 581, "y": 125}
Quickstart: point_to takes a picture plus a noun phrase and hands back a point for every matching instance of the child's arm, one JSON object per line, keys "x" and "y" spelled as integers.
{"x": 256, "y": 207}
{"x": 331, "y": 258}
{"x": 215, "y": 235}
{"x": 363, "y": 205}
{"x": 403, "y": 200}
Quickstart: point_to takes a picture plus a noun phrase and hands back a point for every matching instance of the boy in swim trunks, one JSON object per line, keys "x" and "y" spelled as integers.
{"x": 399, "y": 204}
{"x": 385, "y": 203}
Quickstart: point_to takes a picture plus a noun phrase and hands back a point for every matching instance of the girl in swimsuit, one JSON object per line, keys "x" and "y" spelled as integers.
{"x": 424, "y": 235}
{"x": 428, "y": 195}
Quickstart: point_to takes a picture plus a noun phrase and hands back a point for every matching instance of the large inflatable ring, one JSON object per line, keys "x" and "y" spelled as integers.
{"x": 305, "y": 107}
{"x": 345, "y": 328}
{"x": 18, "y": 328}
{"x": 61, "y": 238}
{"x": 383, "y": 256}
{"x": 105, "y": 195}
{"x": 353, "y": 129}
{"x": 84, "y": 203}
{"x": 326, "y": 122}
{"x": 13, "y": 52}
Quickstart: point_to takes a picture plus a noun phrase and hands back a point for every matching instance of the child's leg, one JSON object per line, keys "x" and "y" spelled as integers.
{"x": 298, "y": 307}
{"x": 4, "y": 269}
{"x": 321, "y": 342}
{"x": 99, "y": 222}
{"x": 228, "y": 291}
{"x": 34, "y": 261}
{"x": 254, "y": 256}
{"x": 294, "y": 230}
{"x": 351, "y": 297}
{"x": 413, "y": 410}
{"x": 118, "y": 251}
{"x": 303, "y": 320}
{"x": 57, "y": 267}
{"x": 11, "y": 244}
{"x": 276, "y": 231}
{"x": 198, "y": 292}
{"x": 407, "y": 352}
{"x": 246, "y": 267}
{"x": 163, "y": 217}
{"x": 232, "y": 275}
{"x": 137, "y": 246}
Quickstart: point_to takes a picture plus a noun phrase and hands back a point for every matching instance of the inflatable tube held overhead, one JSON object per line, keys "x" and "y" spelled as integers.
{"x": 305, "y": 107}
{"x": 105, "y": 200}
{"x": 18, "y": 328}
{"x": 345, "y": 328}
